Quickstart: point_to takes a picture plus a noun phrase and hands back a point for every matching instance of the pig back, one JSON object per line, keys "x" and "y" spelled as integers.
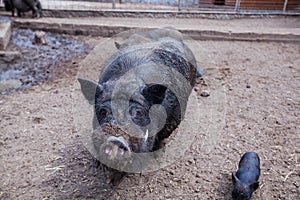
{"x": 249, "y": 168}
{"x": 165, "y": 51}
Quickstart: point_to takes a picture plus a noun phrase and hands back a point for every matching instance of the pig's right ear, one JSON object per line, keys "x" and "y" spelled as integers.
{"x": 89, "y": 89}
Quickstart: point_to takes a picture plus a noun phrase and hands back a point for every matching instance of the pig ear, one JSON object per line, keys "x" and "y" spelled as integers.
{"x": 89, "y": 89}
{"x": 154, "y": 93}
{"x": 255, "y": 185}
{"x": 234, "y": 178}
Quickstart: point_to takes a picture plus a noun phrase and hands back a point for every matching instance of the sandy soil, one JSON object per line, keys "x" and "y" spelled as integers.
{"x": 42, "y": 156}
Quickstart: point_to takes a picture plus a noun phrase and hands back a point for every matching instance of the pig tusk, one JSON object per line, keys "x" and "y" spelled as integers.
{"x": 146, "y": 135}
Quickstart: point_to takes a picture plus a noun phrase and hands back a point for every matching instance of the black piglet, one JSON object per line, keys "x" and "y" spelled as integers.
{"x": 245, "y": 180}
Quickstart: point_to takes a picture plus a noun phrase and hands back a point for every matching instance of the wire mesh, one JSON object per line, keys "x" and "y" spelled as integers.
{"x": 118, "y": 4}
{"x": 190, "y": 5}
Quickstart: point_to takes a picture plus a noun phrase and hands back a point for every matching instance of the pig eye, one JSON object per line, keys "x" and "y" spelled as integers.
{"x": 139, "y": 115}
{"x": 136, "y": 112}
{"x": 102, "y": 113}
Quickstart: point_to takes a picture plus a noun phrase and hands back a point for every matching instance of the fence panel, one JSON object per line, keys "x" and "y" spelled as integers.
{"x": 293, "y": 5}
{"x": 266, "y": 5}
{"x": 173, "y": 5}
{"x": 131, "y": 4}
{"x": 114, "y": 4}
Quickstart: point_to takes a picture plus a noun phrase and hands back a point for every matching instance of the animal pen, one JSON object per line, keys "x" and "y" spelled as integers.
{"x": 238, "y": 6}
{"x": 250, "y": 102}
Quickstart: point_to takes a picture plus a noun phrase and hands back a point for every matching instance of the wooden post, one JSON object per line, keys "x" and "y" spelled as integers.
{"x": 179, "y": 5}
{"x": 113, "y": 4}
{"x": 284, "y": 6}
{"x": 237, "y": 5}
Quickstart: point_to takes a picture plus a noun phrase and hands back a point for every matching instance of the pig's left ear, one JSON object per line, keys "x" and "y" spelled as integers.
{"x": 89, "y": 89}
{"x": 154, "y": 93}
{"x": 255, "y": 185}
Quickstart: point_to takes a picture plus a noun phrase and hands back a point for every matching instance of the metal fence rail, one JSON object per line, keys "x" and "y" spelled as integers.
{"x": 239, "y": 6}
{"x": 133, "y": 4}
{"x": 110, "y": 4}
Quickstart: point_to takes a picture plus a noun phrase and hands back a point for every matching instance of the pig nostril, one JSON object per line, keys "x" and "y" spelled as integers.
{"x": 120, "y": 145}
{"x": 117, "y": 147}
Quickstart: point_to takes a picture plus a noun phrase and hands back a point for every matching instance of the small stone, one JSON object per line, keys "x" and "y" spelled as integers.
{"x": 171, "y": 172}
{"x": 196, "y": 89}
{"x": 39, "y": 38}
{"x": 204, "y": 93}
{"x": 196, "y": 190}
{"x": 7, "y": 84}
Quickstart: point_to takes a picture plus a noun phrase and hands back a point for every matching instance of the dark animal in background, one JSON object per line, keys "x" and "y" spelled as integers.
{"x": 155, "y": 47}
{"x": 245, "y": 180}
{"x": 24, "y": 6}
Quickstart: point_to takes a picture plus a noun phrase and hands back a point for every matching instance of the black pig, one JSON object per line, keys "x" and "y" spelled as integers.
{"x": 159, "y": 47}
{"x": 24, "y": 6}
{"x": 245, "y": 180}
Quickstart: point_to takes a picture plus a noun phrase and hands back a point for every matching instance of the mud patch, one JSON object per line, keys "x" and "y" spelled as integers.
{"x": 36, "y": 63}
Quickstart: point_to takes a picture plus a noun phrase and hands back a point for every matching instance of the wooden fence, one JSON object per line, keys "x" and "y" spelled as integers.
{"x": 283, "y": 5}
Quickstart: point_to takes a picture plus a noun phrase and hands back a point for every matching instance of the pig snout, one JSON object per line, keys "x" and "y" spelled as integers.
{"x": 116, "y": 148}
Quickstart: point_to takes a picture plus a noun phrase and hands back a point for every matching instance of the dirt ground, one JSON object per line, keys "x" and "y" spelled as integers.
{"x": 42, "y": 156}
